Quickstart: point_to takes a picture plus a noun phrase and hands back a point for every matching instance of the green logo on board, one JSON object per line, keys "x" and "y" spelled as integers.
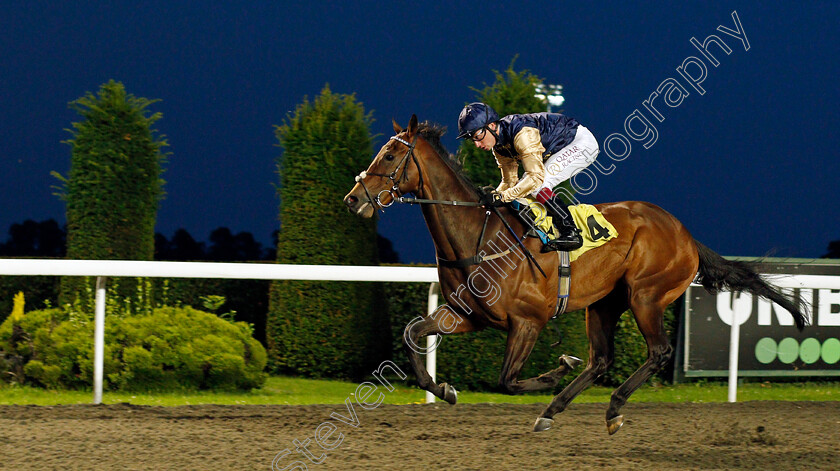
{"x": 789, "y": 350}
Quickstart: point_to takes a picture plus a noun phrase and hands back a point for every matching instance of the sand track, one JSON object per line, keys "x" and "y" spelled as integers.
{"x": 750, "y": 435}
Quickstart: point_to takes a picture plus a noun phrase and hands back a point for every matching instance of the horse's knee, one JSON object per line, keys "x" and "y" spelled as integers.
{"x": 408, "y": 342}
{"x": 667, "y": 351}
{"x": 599, "y": 365}
{"x": 508, "y": 385}
{"x": 408, "y": 339}
{"x": 661, "y": 354}
{"x": 411, "y": 337}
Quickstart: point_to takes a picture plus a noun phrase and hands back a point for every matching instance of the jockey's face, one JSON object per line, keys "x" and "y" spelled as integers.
{"x": 483, "y": 139}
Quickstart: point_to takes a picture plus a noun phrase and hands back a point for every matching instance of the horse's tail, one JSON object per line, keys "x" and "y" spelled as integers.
{"x": 717, "y": 273}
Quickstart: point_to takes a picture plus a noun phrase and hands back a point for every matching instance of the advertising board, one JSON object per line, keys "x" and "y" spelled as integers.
{"x": 770, "y": 344}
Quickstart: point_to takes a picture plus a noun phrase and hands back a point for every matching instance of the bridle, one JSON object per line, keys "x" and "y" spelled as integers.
{"x": 394, "y": 191}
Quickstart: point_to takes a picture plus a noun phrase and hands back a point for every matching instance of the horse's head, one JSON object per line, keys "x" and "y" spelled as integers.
{"x": 393, "y": 173}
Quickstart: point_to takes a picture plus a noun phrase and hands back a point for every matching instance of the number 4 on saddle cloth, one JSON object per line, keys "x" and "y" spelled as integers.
{"x": 595, "y": 228}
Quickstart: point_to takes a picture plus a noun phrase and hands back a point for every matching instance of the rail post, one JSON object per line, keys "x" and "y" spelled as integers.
{"x": 734, "y": 345}
{"x": 431, "y": 354}
{"x": 99, "y": 340}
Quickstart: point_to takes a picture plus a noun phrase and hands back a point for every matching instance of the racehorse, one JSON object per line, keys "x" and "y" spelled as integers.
{"x": 648, "y": 266}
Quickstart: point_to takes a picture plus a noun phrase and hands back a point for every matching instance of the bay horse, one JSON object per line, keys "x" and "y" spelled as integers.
{"x": 646, "y": 267}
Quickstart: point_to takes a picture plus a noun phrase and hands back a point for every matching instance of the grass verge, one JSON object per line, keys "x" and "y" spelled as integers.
{"x": 298, "y": 391}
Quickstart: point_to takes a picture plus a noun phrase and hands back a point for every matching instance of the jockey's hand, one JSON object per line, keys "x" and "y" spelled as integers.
{"x": 491, "y": 198}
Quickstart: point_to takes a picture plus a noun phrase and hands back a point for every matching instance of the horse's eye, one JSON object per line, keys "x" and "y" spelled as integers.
{"x": 389, "y": 157}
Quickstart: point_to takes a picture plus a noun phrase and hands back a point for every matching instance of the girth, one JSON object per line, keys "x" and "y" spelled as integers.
{"x": 474, "y": 260}
{"x": 564, "y": 270}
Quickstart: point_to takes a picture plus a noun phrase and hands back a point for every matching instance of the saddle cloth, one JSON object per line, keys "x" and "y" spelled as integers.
{"x": 595, "y": 229}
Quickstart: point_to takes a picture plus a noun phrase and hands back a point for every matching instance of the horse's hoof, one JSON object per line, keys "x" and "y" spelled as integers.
{"x": 571, "y": 361}
{"x": 614, "y": 424}
{"x": 450, "y": 395}
{"x": 542, "y": 424}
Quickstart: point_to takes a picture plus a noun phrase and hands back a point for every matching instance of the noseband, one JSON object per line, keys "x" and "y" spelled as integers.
{"x": 394, "y": 191}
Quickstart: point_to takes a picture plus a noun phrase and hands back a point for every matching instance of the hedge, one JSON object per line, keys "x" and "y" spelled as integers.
{"x": 114, "y": 185}
{"x": 245, "y": 300}
{"x": 168, "y": 349}
{"x": 324, "y": 329}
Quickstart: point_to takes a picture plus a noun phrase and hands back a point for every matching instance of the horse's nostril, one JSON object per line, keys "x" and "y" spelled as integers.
{"x": 351, "y": 200}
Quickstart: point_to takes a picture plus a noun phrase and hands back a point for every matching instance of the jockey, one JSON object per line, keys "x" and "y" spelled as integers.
{"x": 551, "y": 147}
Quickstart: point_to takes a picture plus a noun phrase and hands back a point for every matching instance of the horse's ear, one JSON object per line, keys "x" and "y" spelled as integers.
{"x": 397, "y": 128}
{"x": 412, "y": 125}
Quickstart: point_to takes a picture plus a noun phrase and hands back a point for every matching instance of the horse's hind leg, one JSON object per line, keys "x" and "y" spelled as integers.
{"x": 601, "y": 320}
{"x": 411, "y": 341}
{"x": 522, "y": 335}
{"x": 649, "y": 319}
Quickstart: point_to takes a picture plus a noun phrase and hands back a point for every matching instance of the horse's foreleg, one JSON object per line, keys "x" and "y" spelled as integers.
{"x": 522, "y": 336}
{"x": 411, "y": 342}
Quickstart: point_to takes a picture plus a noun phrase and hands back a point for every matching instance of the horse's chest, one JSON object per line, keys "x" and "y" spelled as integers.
{"x": 479, "y": 304}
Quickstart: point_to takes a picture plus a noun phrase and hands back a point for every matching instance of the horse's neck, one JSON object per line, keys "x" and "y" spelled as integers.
{"x": 455, "y": 229}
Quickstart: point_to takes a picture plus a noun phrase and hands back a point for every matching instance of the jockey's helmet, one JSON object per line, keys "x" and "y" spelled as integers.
{"x": 474, "y": 117}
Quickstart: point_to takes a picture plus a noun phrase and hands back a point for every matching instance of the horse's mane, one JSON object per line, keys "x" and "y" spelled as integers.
{"x": 432, "y": 133}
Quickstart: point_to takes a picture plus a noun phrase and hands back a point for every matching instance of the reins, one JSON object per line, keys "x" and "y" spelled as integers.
{"x": 477, "y": 258}
{"x": 404, "y": 200}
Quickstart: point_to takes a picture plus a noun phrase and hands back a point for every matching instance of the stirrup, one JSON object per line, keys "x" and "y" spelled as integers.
{"x": 563, "y": 245}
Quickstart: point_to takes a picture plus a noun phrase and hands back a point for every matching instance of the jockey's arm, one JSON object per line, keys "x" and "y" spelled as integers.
{"x": 509, "y": 168}
{"x": 527, "y": 144}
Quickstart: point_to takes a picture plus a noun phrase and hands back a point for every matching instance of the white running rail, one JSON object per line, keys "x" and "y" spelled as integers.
{"x": 101, "y": 269}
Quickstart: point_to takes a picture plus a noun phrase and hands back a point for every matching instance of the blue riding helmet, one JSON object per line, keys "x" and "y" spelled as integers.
{"x": 474, "y": 117}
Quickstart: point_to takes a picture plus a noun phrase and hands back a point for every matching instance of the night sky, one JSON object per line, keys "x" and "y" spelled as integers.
{"x": 750, "y": 166}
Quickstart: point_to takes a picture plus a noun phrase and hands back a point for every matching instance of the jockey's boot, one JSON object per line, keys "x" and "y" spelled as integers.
{"x": 569, "y": 238}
